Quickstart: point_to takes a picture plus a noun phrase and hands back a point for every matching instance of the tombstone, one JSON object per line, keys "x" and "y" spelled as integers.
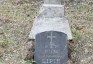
{"x": 51, "y": 48}
{"x": 51, "y": 17}
{"x": 51, "y": 31}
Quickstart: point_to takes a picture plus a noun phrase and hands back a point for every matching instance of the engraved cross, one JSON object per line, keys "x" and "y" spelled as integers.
{"x": 51, "y": 39}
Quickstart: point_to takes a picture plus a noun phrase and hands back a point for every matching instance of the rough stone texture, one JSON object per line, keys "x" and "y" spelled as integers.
{"x": 51, "y": 48}
{"x": 51, "y": 18}
{"x": 52, "y": 1}
{"x": 51, "y": 24}
{"x": 51, "y": 11}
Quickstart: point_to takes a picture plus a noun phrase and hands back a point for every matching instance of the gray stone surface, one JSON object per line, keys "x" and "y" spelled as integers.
{"x": 1, "y": 3}
{"x": 51, "y": 17}
{"x": 52, "y": 1}
{"x": 51, "y": 11}
{"x": 51, "y": 48}
{"x": 50, "y": 24}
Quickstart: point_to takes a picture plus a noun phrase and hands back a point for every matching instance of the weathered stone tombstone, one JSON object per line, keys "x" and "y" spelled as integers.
{"x": 51, "y": 48}
{"x": 51, "y": 17}
{"x": 51, "y": 31}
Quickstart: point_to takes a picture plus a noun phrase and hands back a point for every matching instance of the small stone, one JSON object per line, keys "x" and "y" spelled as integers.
{"x": 1, "y": 31}
{"x": 29, "y": 55}
{"x": 1, "y": 54}
{"x": 30, "y": 51}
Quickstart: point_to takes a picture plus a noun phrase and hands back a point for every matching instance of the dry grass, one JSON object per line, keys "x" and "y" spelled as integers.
{"x": 16, "y": 21}
{"x": 81, "y": 16}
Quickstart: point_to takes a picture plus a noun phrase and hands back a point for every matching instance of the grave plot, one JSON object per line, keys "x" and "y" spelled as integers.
{"x": 51, "y": 48}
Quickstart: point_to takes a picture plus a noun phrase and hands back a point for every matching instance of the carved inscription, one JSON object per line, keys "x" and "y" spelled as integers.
{"x": 48, "y": 61}
{"x": 51, "y": 49}
{"x": 51, "y": 40}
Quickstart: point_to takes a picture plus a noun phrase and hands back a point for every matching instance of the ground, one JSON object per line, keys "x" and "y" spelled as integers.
{"x": 80, "y": 15}
{"x": 16, "y": 20}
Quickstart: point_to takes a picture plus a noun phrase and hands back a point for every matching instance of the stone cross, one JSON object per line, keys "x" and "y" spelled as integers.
{"x": 51, "y": 40}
